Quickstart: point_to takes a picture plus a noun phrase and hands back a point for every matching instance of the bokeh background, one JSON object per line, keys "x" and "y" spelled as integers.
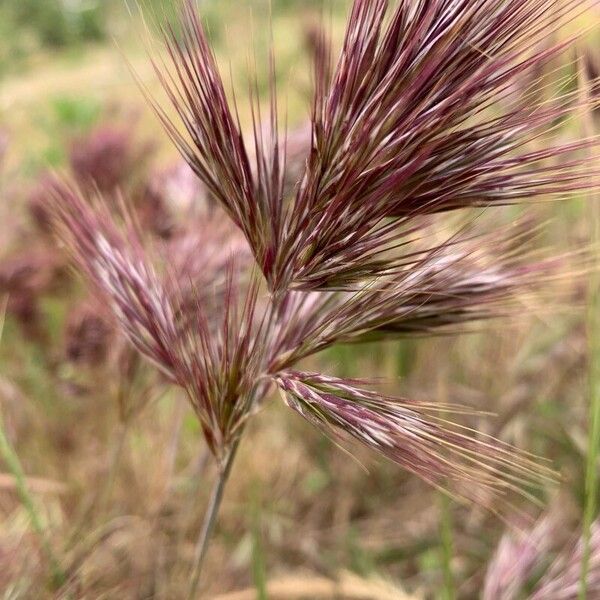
{"x": 121, "y": 496}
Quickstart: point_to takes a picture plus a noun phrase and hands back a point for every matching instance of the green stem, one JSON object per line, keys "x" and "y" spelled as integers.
{"x": 258, "y": 562}
{"x": 593, "y": 323}
{"x": 11, "y": 459}
{"x": 591, "y": 475}
{"x": 210, "y": 518}
{"x": 447, "y": 547}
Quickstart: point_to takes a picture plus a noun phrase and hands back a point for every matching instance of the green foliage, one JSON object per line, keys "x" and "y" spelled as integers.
{"x": 295, "y": 4}
{"x": 75, "y": 114}
{"x": 592, "y": 486}
{"x": 55, "y": 23}
{"x": 30, "y": 26}
{"x": 361, "y": 560}
{"x": 316, "y": 481}
{"x": 64, "y": 118}
{"x": 27, "y": 26}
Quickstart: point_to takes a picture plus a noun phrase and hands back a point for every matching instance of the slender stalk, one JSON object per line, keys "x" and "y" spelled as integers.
{"x": 258, "y": 561}
{"x": 447, "y": 547}
{"x": 210, "y": 518}
{"x": 10, "y": 457}
{"x": 591, "y": 476}
{"x": 593, "y": 322}
{"x": 445, "y": 505}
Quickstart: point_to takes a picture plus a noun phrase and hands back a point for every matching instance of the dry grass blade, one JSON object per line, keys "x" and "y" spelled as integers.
{"x": 591, "y": 480}
{"x": 348, "y": 587}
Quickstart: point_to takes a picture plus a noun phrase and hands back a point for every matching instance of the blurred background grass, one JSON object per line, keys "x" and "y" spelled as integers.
{"x": 301, "y": 519}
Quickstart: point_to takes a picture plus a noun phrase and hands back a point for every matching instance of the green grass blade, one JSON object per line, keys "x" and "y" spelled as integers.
{"x": 593, "y": 323}
{"x": 259, "y": 569}
{"x": 447, "y": 547}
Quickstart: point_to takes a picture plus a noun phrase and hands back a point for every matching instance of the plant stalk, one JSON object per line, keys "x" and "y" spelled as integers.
{"x": 210, "y": 518}
{"x": 593, "y": 327}
{"x": 449, "y": 592}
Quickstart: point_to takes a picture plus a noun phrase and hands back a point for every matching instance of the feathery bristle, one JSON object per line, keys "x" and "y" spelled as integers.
{"x": 221, "y": 360}
{"x": 415, "y": 435}
{"x": 211, "y": 347}
{"x": 524, "y": 560}
{"x": 217, "y": 153}
{"x": 198, "y": 259}
{"x": 462, "y": 281}
{"x": 116, "y": 264}
{"x": 405, "y": 130}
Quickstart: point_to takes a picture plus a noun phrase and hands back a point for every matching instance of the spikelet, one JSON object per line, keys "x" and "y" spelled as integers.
{"x": 413, "y": 121}
{"x": 417, "y": 436}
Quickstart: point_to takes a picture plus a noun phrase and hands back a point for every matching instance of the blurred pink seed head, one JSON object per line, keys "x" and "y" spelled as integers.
{"x": 518, "y": 556}
{"x": 3, "y": 146}
{"x": 88, "y": 335}
{"x": 526, "y": 559}
{"x": 107, "y": 157}
{"x": 563, "y": 578}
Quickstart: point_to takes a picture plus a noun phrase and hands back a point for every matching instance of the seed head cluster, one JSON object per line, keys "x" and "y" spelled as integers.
{"x": 415, "y": 120}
